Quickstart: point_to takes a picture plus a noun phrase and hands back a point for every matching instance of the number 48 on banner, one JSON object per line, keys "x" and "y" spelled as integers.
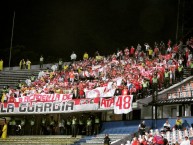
{"x": 123, "y": 104}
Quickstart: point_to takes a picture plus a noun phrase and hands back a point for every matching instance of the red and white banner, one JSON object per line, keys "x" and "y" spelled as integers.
{"x": 107, "y": 103}
{"x": 118, "y": 81}
{"x": 108, "y": 93}
{"x": 123, "y": 104}
{"x": 100, "y": 92}
{"x": 120, "y": 104}
{"x": 75, "y": 105}
{"x": 60, "y": 103}
{"x": 95, "y": 92}
{"x": 44, "y": 98}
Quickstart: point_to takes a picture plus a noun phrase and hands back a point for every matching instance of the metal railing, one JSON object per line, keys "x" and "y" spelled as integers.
{"x": 182, "y": 94}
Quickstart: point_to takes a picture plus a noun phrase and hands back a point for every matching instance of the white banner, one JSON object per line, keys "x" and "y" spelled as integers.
{"x": 98, "y": 92}
{"x": 44, "y": 98}
{"x": 108, "y": 93}
{"x": 123, "y": 104}
{"x": 75, "y": 105}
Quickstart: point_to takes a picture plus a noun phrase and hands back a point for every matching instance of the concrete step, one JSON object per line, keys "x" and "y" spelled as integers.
{"x": 48, "y": 140}
{"x": 99, "y": 139}
{"x": 12, "y": 77}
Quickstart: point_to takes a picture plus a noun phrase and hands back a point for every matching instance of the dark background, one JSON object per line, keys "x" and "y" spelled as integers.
{"x": 55, "y": 28}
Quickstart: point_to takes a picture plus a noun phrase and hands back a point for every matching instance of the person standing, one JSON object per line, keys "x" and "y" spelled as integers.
{"x": 41, "y": 62}
{"x": 180, "y": 72}
{"x": 52, "y": 125}
{"x": 155, "y": 86}
{"x": 61, "y": 126}
{"x": 147, "y": 48}
{"x": 22, "y": 64}
{"x": 1, "y": 65}
{"x": 28, "y": 64}
{"x": 179, "y": 122}
{"x": 32, "y": 123}
{"x": 74, "y": 119}
{"x": 43, "y": 126}
{"x": 186, "y": 141}
{"x": 158, "y": 139}
{"x": 81, "y": 125}
{"x": 117, "y": 91}
{"x": 32, "y": 78}
{"x": 167, "y": 126}
{"x": 60, "y": 63}
{"x": 107, "y": 140}
{"x": 13, "y": 126}
{"x": 132, "y": 51}
{"x": 68, "y": 125}
{"x": 85, "y": 56}
{"x": 125, "y": 91}
{"x": 23, "y": 126}
{"x": 96, "y": 125}
{"x": 73, "y": 57}
{"x": 145, "y": 86}
{"x": 4, "y": 130}
{"x": 142, "y": 128}
{"x": 166, "y": 78}
{"x": 135, "y": 141}
{"x": 88, "y": 126}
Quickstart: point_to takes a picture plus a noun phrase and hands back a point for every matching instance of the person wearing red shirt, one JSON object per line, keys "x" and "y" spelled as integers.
{"x": 156, "y": 51}
{"x": 126, "y": 51}
{"x": 175, "y": 48}
{"x": 132, "y": 51}
{"x": 169, "y": 43}
{"x": 125, "y": 91}
{"x": 81, "y": 93}
{"x": 135, "y": 141}
{"x": 143, "y": 141}
{"x": 11, "y": 98}
{"x": 191, "y": 142}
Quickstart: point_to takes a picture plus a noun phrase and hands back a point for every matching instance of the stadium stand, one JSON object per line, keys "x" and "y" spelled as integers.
{"x": 93, "y": 73}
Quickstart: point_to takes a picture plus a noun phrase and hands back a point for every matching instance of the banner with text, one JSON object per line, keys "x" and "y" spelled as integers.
{"x": 43, "y": 107}
{"x": 123, "y": 104}
{"x": 44, "y": 98}
{"x": 120, "y": 104}
{"x": 107, "y": 103}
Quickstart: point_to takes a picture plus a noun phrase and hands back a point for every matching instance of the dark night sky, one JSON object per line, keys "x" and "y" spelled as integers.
{"x": 56, "y": 28}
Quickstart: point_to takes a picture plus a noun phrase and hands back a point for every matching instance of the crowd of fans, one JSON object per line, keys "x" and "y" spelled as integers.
{"x": 152, "y": 138}
{"x": 180, "y": 133}
{"x": 143, "y": 70}
{"x": 146, "y": 69}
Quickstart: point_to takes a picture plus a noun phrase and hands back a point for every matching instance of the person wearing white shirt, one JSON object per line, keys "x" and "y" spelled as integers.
{"x": 41, "y": 61}
{"x": 28, "y": 82}
{"x": 61, "y": 79}
{"x": 41, "y": 74}
{"x": 180, "y": 61}
{"x": 54, "y": 67}
{"x": 186, "y": 141}
{"x": 73, "y": 56}
{"x": 139, "y": 47}
{"x": 167, "y": 126}
{"x": 146, "y": 48}
{"x": 169, "y": 49}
